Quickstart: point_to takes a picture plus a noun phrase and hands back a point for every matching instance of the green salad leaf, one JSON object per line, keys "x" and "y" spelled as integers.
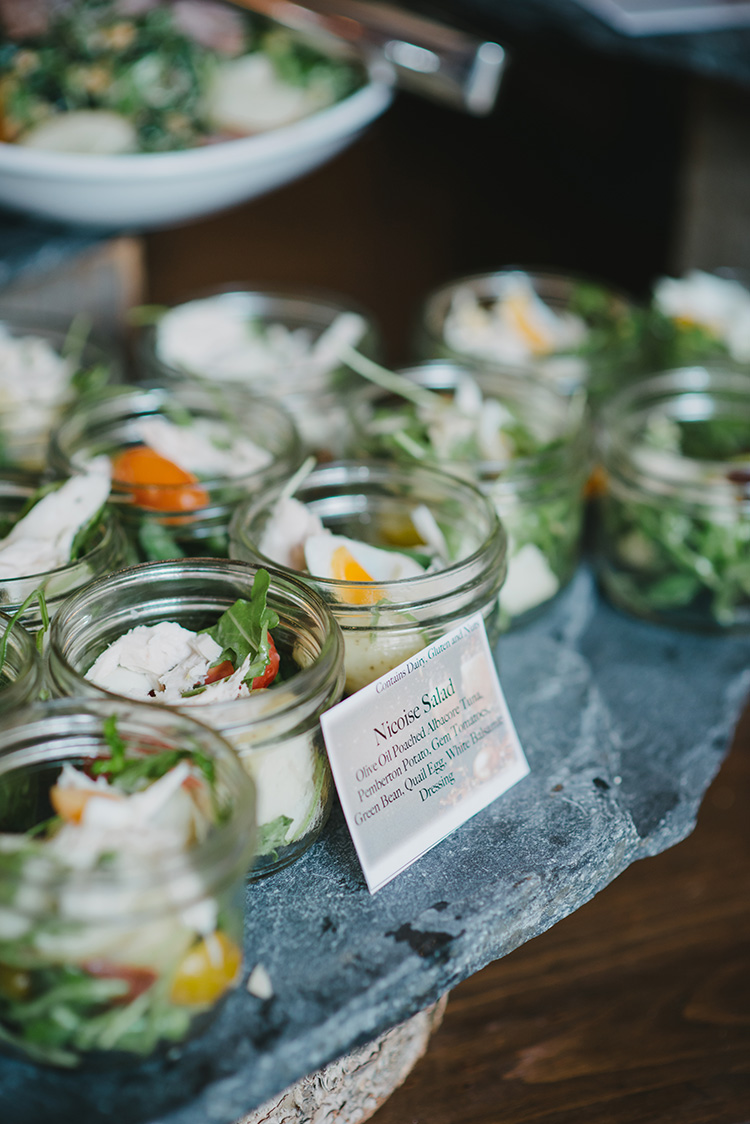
{"x": 132, "y": 773}
{"x": 272, "y": 836}
{"x": 242, "y": 630}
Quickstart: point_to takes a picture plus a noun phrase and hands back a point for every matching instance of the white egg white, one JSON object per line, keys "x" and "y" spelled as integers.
{"x": 381, "y": 565}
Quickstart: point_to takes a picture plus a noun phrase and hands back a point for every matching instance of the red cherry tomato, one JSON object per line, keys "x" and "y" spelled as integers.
{"x": 138, "y": 979}
{"x": 222, "y": 671}
{"x": 272, "y": 667}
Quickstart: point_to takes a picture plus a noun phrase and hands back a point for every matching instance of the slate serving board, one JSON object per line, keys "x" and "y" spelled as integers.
{"x": 624, "y": 725}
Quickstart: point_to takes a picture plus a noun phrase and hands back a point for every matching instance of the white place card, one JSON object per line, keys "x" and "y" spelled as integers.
{"x": 421, "y": 750}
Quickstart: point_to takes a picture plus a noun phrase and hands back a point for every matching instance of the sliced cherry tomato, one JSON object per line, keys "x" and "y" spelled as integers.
{"x": 222, "y": 671}
{"x": 137, "y": 979}
{"x": 206, "y": 971}
{"x": 157, "y": 483}
{"x": 272, "y": 667}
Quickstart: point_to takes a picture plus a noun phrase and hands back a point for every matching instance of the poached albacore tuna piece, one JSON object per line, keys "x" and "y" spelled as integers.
{"x": 43, "y": 539}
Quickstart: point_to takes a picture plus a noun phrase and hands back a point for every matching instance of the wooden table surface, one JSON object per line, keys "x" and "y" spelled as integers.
{"x": 635, "y": 1009}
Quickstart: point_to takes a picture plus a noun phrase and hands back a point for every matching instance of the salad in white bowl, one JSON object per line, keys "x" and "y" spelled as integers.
{"x": 142, "y": 112}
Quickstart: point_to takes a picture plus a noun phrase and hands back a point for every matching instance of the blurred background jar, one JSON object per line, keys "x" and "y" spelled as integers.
{"x": 571, "y": 332}
{"x": 276, "y": 731}
{"x": 45, "y": 366}
{"x": 526, "y": 446}
{"x": 286, "y": 345}
{"x": 100, "y": 550}
{"x": 403, "y": 509}
{"x": 20, "y": 665}
{"x": 107, "y": 956}
{"x": 181, "y": 459}
{"x": 673, "y": 527}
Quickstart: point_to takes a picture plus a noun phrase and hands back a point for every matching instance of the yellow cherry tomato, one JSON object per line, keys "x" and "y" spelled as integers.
{"x": 206, "y": 971}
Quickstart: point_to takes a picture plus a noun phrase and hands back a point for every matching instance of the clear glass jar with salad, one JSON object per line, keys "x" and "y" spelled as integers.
{"x": 522, "y": 442}
{"x": 673, "y": 539}
{"x": 401, "y": 555}
{"x": 45, "y": 366}
{"x": 180, "y": 460}
{"x": 20, "y": 665}
{"x": 283, "y": 344}
{"x": 570, "y": 331}
{"x": 125, "y": 834}
{"x": 257, "y": 661}
{"x": 54, "y": 539}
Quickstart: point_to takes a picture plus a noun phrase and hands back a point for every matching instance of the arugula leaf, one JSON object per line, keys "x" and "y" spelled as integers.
{"x": 83, "y": 540}
{"x": 272, "y": 835}
{"x": 117, "y": 745}
{"x": 242, "y": 630}
{"x": 35, "y": 595}
{"x": 86, "y": 381}
{"x": 130, "y": 772}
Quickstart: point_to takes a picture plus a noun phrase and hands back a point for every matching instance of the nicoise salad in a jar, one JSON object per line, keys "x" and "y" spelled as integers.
{"x": 125, "y": 835}
{"x": 401, "y": 554}
{"x": 286, "y": 345}
{"x": 179, "y": 460}
{"x": 522, "y": 442}
{"x": 256, "y": 657}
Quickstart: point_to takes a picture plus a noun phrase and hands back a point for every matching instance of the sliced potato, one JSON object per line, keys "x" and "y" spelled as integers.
{"x": 97, "y": 131}
{"x": 246, "y": 95}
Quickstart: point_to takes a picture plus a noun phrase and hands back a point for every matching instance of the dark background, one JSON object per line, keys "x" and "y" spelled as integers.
{"x": 578, "y": 167}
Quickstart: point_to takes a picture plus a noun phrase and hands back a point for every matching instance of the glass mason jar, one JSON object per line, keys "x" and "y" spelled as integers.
{"x": 267, "y": 340}
{"x": 178, "y": 519}
{"x": 673, "y": 528}
{"x": 20, "y": 667}
{"x": 276, "y": 731}
{"x": 111, "y": 957}
{"x": 374, "y": 502}
{"x": 107, "y": 550}
{"x": 45, "y": 366}
{"x": 570, "y": 331}
{"x": 537, "y": 490}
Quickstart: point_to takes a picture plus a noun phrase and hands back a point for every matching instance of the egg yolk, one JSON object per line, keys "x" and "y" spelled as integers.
{"x": 345, "y": 567}
{"x": 517, "y": 308}
{"x": 156, "y": 482}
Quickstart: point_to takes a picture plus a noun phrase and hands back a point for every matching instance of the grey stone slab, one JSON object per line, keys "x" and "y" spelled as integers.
{"x": 624, "y": 724}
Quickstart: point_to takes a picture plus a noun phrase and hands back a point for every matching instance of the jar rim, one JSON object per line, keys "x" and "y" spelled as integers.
{"x": 423, "y": 588}
{"x": 306, "y": 308}
{"x": 550, "y": 284}
{"x": 682, "y": 393}
{"x": 302, "y": 690}
{"x": 116, "y": 406}
{"x": 570, "y": 436}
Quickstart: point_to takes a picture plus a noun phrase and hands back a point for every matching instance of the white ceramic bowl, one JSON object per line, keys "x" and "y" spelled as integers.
{"x": 161, "y": 189}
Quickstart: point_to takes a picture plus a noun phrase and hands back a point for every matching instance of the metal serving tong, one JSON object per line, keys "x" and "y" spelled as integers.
{"x": 426, "y": 57}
